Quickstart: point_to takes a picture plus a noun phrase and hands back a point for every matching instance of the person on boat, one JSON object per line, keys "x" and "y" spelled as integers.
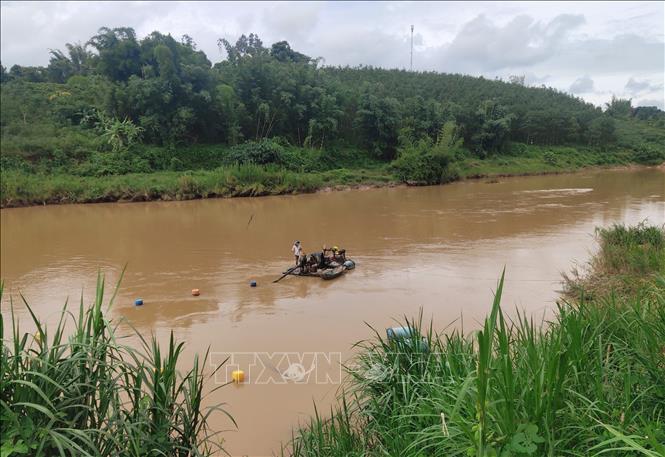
{"x": 334, "y": 254}
{"x": 319, "y": 259}
{"x": 297, "y": 250}
{"x": 312, "y": 264}
{"x": 339, "y": 255}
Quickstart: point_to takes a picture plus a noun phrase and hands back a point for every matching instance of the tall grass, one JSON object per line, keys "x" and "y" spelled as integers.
{"x": 626, "y": 263}
{"x": 591, "y": 382}
{"x": 638, "y": 250}
{"x": 23, "y": 189}
{"x": 88, "y": 394}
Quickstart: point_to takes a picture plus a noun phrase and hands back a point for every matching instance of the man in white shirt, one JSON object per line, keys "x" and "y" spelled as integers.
{"x": 297, "y": 251}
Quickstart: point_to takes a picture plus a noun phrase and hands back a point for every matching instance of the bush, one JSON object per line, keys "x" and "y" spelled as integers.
{"x": 550, "y": 158}
{"x": 517, "y": 149}
{"x": 109, "y": 163}
{"x": 649, "y": 155}
{"x": 639, "y": 249}
{"x": 257, "y": 152}
{"x": 14, "y": 162}
{"x": 187, "y": 186}
{"x": 424, "y": 163}
{"x": 305, "y": 160}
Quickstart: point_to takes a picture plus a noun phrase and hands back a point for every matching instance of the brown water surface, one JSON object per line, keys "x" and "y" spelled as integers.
{"x": 436, "y": 248}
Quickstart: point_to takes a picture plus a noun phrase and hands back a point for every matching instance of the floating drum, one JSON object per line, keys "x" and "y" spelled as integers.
{"x": 252, "y": 283}
{"x": 138, "y": 301}
{"x": 238, "y": 376}
{"x": 398, "y": 333}
{"x": 196, "y": 292}
{"x": 349, "y": 264}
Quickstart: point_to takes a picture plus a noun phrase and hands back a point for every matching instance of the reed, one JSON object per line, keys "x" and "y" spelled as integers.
{"x": 89, "y": 394}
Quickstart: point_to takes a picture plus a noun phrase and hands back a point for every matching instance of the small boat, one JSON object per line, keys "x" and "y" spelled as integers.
{"x": 332, "y": 273}
{"x": 334, "y": 270}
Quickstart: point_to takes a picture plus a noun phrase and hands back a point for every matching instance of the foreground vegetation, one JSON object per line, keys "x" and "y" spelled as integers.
{"x": 102, "y": 118}
{"x": 591, "y": 382}
{"x": 87, "y": 394}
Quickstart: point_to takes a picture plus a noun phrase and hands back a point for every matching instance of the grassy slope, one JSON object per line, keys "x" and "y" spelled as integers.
{"x": 591, "y": 382}
{"x": 544, "y": 159}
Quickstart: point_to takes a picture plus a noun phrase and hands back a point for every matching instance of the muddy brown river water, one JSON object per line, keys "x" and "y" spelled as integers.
{"x": 439, "y": 249}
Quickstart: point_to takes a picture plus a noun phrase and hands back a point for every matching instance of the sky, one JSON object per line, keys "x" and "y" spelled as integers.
{"x": 590, "y": 49}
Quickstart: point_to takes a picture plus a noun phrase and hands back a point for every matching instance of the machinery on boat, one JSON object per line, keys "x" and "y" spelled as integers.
{"x": 328, "y": 264}
{"x": 329, "y": 272}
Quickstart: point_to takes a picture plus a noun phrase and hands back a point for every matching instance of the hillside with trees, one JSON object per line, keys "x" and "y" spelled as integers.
{"x": 120, "y": 105}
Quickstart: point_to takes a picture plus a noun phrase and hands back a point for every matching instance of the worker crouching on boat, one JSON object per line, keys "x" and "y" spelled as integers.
{"x": 335, "y": 254}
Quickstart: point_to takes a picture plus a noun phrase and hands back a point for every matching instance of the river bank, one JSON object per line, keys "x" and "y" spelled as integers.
{"x": 18, "y": 189}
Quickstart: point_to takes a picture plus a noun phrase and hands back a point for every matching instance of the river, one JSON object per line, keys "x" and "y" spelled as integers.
{"x": 436, "y": 249}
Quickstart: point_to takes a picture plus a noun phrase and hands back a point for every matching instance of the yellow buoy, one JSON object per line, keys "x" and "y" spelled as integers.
{"x": 196, "y": 292}
{"x": 238, "y": 376}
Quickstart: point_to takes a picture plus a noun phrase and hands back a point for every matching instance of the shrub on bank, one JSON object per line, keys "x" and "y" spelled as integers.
{"x": 260, "y": 152}
{"x": 424, "y": 163}
{"x": 628, "y": 259}
{"x": 649, "y": 155}
{"x": 638, "y": 250}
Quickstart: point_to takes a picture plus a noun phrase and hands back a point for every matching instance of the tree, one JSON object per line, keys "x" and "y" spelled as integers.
{"x": 118, "y": 53}
{"x": 644, "y": 113}
{"x": 245, "y": 47}
{"x": 487, "y": 129}
{"x": 29, "y": 74}
{"x": 378, "y": 119}
{"x": 325, "y": 118}
{"x": 619, "y": 107}
{"x": 4, "y": 76}
{"x": 81, "y": 59}
{"x": 282, "y": 52}
{"x": 229, "y": 112}
{"x": 602, "y": 131}
{"x": 61, "y": 67}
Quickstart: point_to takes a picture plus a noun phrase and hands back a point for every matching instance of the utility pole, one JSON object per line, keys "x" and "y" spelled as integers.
{"x": 411, "y": 47}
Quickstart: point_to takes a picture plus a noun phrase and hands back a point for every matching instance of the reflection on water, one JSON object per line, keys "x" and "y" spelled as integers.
{"x": 436, "y": 248}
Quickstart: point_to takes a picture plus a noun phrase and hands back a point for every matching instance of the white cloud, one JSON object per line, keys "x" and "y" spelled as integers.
{"x": 483, "y": 45}
{"x": 582, "y": 85}
{"x": 635, "y": 86}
